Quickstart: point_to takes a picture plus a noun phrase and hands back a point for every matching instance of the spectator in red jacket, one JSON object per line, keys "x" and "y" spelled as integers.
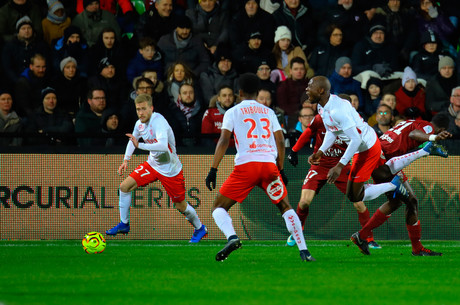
{"x": 214, "y": 115}
{"x": 410, "y": 97}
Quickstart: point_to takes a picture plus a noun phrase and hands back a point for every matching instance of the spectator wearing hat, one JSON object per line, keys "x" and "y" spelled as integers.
{"x": 439, "y": 87}
{"x": 88, "y": 119}
{"x": 10, "y": 122}
{"x": 342, "y": 81}
{"x": 410, "y": 97}
{"x": 298, "y": 18}
{"x": 182, "y": 45}
{"x": 28, "y": 87}
{"x": 70, "y": 87}
{"x": 249, "y": 20}
{"x": 247, "y": 55}
{"x": 324, "y": 56}
{"x": 431, "y": 16}
{"x": 50, "y": 122}
{"x": 283, "y": 52}
{"x": 109, "y": 46}
{"x": 55, "y": 23}
{"x": 111, "y": 127}
{"x": 220, "y": 73}
{"x": 147, "y": 57}
{"x": 73, "y": 45}
{"x": 18, "y": 51}
{"x": 263, "y": 69}
{"x": 401, "y": 28}
{"x": 425, "y": 62}
{"x": 210, "y": 23}
{"x": 157, "y": 21}
{"x": 13, "y": 11}
{"x": 372, "y": 96}
{"x": 93, "y": 20}
{"x": 373, "y": 57}
{"x": 289, "y": 92}
{"x": 109, "y": 80}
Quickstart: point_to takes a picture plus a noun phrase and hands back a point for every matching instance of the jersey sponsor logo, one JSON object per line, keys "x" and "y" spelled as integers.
{"x": 368, "y": 52}
{"x": 275, "y": 189}
{"x": 321, "y": 52}
{"x": 386, "y": 137}
{"x": 425, "y": 57}
{"x": 428, "y": 129}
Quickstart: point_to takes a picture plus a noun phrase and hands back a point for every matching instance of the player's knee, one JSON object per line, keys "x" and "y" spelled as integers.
{"x": 303, "y": 204}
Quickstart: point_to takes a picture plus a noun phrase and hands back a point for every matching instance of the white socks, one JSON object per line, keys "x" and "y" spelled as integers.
{"x": 398, "y": 163}
{"x": 372, "y": 191}
{"x": 295, "y": 228}
{"x": 124, "y": 204}
{"x": 192, "y": 216}
{"x": 223, "y": 221}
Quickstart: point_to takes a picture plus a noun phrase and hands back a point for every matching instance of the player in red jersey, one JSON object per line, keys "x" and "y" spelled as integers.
{"x": 399, "y": 140}
{"x": 316, "y": 177}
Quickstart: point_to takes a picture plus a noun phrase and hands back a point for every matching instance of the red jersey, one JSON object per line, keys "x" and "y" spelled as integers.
{"x": 316, "y": 128}
{"x": 396, "y": 141}
{"x": 212, "y": 123}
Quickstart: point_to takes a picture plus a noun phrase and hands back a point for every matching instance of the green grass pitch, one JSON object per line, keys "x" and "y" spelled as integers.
{"x": 261, "y": 272}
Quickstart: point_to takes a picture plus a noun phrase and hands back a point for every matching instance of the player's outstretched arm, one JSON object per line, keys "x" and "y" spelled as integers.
{"x": 420, "y": 136}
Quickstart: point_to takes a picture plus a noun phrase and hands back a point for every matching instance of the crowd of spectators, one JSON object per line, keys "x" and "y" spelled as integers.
{"x": 70, "y": 70}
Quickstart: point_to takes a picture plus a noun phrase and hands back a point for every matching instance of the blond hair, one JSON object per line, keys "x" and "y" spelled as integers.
{"x": 141, "y": 98}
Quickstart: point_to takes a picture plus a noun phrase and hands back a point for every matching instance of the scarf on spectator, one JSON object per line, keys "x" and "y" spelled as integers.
{"x": 394, "y": 22}
{"x": 180, "y": 44}
{"x": 52, "y": 9}
{"x": 220, "y": 108}
{"x": 186, "y": 110}
{"x": 447, "y": 84}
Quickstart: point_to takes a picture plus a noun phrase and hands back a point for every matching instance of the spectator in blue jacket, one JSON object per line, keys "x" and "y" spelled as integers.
{"x": 148, "y": 58}
{"x": 342, "y": 81}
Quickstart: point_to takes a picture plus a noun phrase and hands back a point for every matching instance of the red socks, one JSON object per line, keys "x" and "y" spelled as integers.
{"x": 376, "y": 221}
{"x": 303, "y": 214}
{"x": 415, "y": 233}
{"x": 363, "y": 219}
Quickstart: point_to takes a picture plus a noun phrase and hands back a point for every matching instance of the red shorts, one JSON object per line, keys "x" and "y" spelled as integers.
{"x": 365, "y": 162}
{"x": 246, "y": 176}
{"x": 174, "y": 186}
{"x": 317, "y": 178}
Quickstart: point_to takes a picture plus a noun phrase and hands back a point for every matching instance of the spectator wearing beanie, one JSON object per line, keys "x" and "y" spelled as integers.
{"x": 283, "y": 52}
{"x": 372, "y": 56}
{"x": 372, "y": 96}
{"x": 247, "y": 55}
{"x": 262, "y": 69}
{"x": 93, "y": 20}
{"x": 17, "y": 52}
{"x": 425, "y": 62}
{"x": 249, "y": 20}
{"x": 439, "y": 87}
{"x": 55, "y": 23}
{"x": 220, "y": 73}
{"x": 73, "y": 45}
{"x": 47, "y": 120}
{"x": 11, "y": 12}
{"x": 342, "y": 81}
{"x": 70, "y": 87}
{"x": 109, "y": 46}
{"x": 182, "y": 45}
{"x": 410, "y": 97}
{"x": 108, "y": 78}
